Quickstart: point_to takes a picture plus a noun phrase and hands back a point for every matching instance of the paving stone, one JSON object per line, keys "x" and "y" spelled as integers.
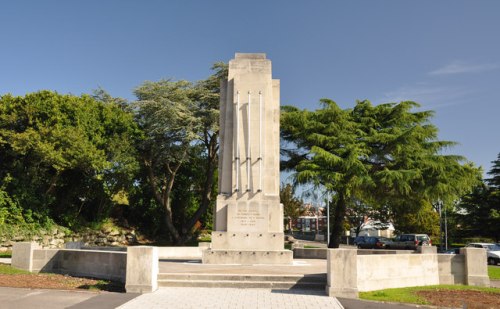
{"x": 232, "y": 298}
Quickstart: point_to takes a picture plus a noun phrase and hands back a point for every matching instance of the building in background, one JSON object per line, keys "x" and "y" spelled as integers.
{"x": 371, "y": 227}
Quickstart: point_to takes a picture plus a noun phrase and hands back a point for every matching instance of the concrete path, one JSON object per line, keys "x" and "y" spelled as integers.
{"x": 19, "y": 298}
{"x": 57, "y": 299}
{"x": 232, "y": 298}
{"x": 5, "y": 261}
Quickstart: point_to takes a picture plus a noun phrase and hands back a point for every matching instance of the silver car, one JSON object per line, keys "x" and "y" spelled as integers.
{"x": 492, "y": 250}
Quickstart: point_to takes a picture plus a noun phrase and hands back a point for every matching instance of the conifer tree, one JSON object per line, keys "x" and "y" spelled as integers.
{"x": 384, "y": 155}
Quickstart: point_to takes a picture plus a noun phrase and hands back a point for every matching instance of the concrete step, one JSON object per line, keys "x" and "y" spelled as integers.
{"x": 243, "y": 281}
{"x": 242, "y": 284}
{"x": 242, "y": 277}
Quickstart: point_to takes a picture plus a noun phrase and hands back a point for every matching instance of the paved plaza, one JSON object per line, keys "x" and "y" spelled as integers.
{"x": 181, "y": 298}
{"x": 232, "y": 298}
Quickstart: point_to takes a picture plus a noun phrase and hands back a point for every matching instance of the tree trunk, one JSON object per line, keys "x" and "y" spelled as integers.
{"x": 206, "y": 197}
{"x": 338, "y": 221}
{"x": 163, "y": 198}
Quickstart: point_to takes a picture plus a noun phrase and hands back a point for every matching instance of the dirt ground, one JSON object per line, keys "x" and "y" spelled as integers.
{"x": 60, "y": 282}
{"x": 462, "y": 299}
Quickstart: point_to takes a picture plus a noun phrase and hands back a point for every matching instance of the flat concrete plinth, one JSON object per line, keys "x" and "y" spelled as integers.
{"x": 298, "y": 267}
{"x": 244, "y": 257}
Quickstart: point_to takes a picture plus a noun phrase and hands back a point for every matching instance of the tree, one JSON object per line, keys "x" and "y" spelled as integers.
{"x": 478, "y": 213}
{"x": 292, "y": 206}
{"x": 165, "y": 111}
{"x": 384, "y": 155}
{"x": 494, "y": 181}
{"x": 207, "y": 100}
{"x": 180, "y": 121}
{"x": 66, "y": 156}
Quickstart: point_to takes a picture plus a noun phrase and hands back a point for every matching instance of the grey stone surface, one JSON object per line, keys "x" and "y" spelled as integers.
{"x": 476, "y": 267}
{"x": 22, "y": 255}
{"x": 298, "y": 267}
{"x": 7, "y": 261}
{"x": 342, "y": 273}
{"x": 85, "y": 263}
{"x": 310, "y": 253}
{"x": 248, "y": 214}
{"x": 247, "y": 257}
{"x": 74, "y": 245}
{"x": 180, "y": 252}
{"x": 232, "y": 298}
{"x": 376, "y": 272}
{"x": 451, "y": 268}
{"x": 248, "y": 240}
{"x": 427, "y": 249}
{"x": 20, "y": 298}
{"x": 142, "y": 269}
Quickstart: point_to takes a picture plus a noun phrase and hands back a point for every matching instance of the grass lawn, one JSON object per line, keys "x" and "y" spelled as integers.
{"x": 409, "y": 295}
{"x": 9, "y": 270}
{"x": 494, "y": 272}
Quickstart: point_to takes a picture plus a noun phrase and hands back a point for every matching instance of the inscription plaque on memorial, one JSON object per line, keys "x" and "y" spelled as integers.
{"x": 248, "y": 217}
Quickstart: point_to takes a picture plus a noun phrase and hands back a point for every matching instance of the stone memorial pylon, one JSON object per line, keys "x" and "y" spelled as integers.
{"x": 249, "y": 216}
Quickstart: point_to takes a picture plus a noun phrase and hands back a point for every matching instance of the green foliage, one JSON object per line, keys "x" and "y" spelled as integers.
{"x": 16, "y": 221}
{"x": 384, "y": 156}
{"x": 494, "y": 181}
{"x": 6, "y": 254}
{"x": 65, "y": 156}
{"x": 424, "y": 220}
{"x": 179, "y": 150}
{"x": 292, "y": 206}
{"x": 478, "y": 213}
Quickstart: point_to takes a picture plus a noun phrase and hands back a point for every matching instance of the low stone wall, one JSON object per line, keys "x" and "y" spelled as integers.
{"x": 84, "y": 263}
{"x": 350, "y": 272}
{"x": 383, "y": 251}
{"x": 173, "y": 253}
{"x": 451, "y": 268}
{"x": 91, "y": 238}
{"x": 376, "y": 272}
{"x": 137, "y": 267}
{"x": 309, "y": 253}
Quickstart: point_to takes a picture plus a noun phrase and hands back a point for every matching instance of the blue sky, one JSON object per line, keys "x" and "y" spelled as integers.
{"x": 443, "y": 54}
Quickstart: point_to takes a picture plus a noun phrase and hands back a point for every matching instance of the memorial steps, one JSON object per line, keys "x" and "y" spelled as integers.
{"x": 263, "y": 281}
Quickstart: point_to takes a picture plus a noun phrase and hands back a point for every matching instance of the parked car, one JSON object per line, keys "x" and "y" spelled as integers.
{"x": 373, "y": 243}
{"x": 360, "y": 239}
{"x": 452, "y": 251}
{"x": 409, "y": 241}
{"x": 492, "y": 251}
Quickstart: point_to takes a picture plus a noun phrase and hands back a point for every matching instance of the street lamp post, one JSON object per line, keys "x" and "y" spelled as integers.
{"x": 327, "y": 219}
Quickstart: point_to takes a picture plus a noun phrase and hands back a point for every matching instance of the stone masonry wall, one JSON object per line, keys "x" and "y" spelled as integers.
{"x": 92, "y": 238}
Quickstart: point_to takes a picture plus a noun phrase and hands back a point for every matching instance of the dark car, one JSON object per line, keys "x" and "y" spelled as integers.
{"x": 452, "y": 251}
{"x": 360, "y": 239}
{"x": 373, "y": 242}
{"x": 409, "y": 241}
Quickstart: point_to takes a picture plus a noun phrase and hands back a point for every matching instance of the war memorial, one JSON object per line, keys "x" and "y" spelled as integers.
{"x": 247, "y": 248}
{"x": 248, "y": 215}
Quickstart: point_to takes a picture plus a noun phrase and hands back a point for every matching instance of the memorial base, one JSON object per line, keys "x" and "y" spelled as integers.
{"x": 248, "y": 241}
{"x": 247, "y": 257}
